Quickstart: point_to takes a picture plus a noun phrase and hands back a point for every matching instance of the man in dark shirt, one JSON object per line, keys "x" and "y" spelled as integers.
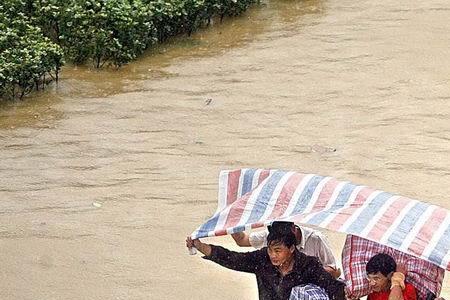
{"x": 278, "y": 267}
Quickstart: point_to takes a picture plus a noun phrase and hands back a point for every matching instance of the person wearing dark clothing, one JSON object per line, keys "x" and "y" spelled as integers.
{"x": 278, "y": 267}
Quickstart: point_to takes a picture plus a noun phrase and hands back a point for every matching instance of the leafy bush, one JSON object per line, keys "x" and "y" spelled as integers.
{"x": 172, "y": 17}
{"x": 26, "y": 56}
{"x": 46, "y": 14}
{"x": 114, "y": 31}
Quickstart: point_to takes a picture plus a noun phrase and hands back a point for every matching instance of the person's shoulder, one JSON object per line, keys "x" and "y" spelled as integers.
{"x": 409, "y": 293}
{"x": 259, "y": 233}
{"x": 257, "y": 239}
{"x": 260, "y": 254}
{"x": 262, "y": 257}
{"x": 409, "y": 287}
{"x": 261, "y": 251}
{"x": 314, "y": 235}
{"x": 372, "y": 296}
{"x": 307, "y": 259}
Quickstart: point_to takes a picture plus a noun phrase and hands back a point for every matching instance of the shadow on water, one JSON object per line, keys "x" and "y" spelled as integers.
{"x": 259, "y": 22}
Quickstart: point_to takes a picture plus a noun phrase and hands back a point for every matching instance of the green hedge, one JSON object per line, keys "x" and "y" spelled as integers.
{"x": 36, "y": 34}
{"x": 28, "y": 60}
{"x": 114, "y": 31}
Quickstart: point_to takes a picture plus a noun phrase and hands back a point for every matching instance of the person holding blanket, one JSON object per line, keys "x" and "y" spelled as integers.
{"x": 278, "y": 267}
{"x": 309, "y": 241}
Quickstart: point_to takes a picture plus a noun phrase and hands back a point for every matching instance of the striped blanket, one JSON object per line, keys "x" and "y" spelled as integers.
{"x": 250, "y": 198}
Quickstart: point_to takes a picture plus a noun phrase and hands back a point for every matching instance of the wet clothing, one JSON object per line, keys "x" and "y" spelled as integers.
{"x": 409, "y": 293}
{"x": 271, "y": 284}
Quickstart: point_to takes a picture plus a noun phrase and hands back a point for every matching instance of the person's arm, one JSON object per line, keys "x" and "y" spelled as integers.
{"x": 202, "y": 247}
{"x": 255, "y": 239}
{"x": 397, "y": 286}
{"x": 396, "y": 293}
{"x": 407, "y": 293}
{"x": 399, "y": 289}
{"x": 324, "y": 253}
{"x": 333, "y": 271}
{"x": 238, "y": 261}
{"x": 241, "y": 239}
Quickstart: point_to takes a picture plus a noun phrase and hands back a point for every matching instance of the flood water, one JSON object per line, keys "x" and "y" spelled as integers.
{"x": 104, "y": 175}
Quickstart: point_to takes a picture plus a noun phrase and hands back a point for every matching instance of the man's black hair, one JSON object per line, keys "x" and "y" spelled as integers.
{"x": 382, "y": 263}
{"x": 280, "y": 232}
{"x": 281, "y": 225}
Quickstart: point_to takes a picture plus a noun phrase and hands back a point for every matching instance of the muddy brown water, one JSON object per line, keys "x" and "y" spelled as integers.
{"x": 103, "y": 175}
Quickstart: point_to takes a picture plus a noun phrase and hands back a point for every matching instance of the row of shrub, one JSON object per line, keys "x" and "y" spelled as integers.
{"x": 28, "y": 59}
{"x": 37, "y": 35}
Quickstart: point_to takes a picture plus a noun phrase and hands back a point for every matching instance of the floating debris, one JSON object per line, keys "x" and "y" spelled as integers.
{"x": 322, "y": 149}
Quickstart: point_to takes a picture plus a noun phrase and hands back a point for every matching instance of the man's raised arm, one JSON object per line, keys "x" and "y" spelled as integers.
{"x": 241, "y": 239}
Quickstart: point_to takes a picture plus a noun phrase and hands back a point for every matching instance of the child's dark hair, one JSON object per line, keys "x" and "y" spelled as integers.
{"x": 382, "y": 263}
{"x": 281, "y": 233}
